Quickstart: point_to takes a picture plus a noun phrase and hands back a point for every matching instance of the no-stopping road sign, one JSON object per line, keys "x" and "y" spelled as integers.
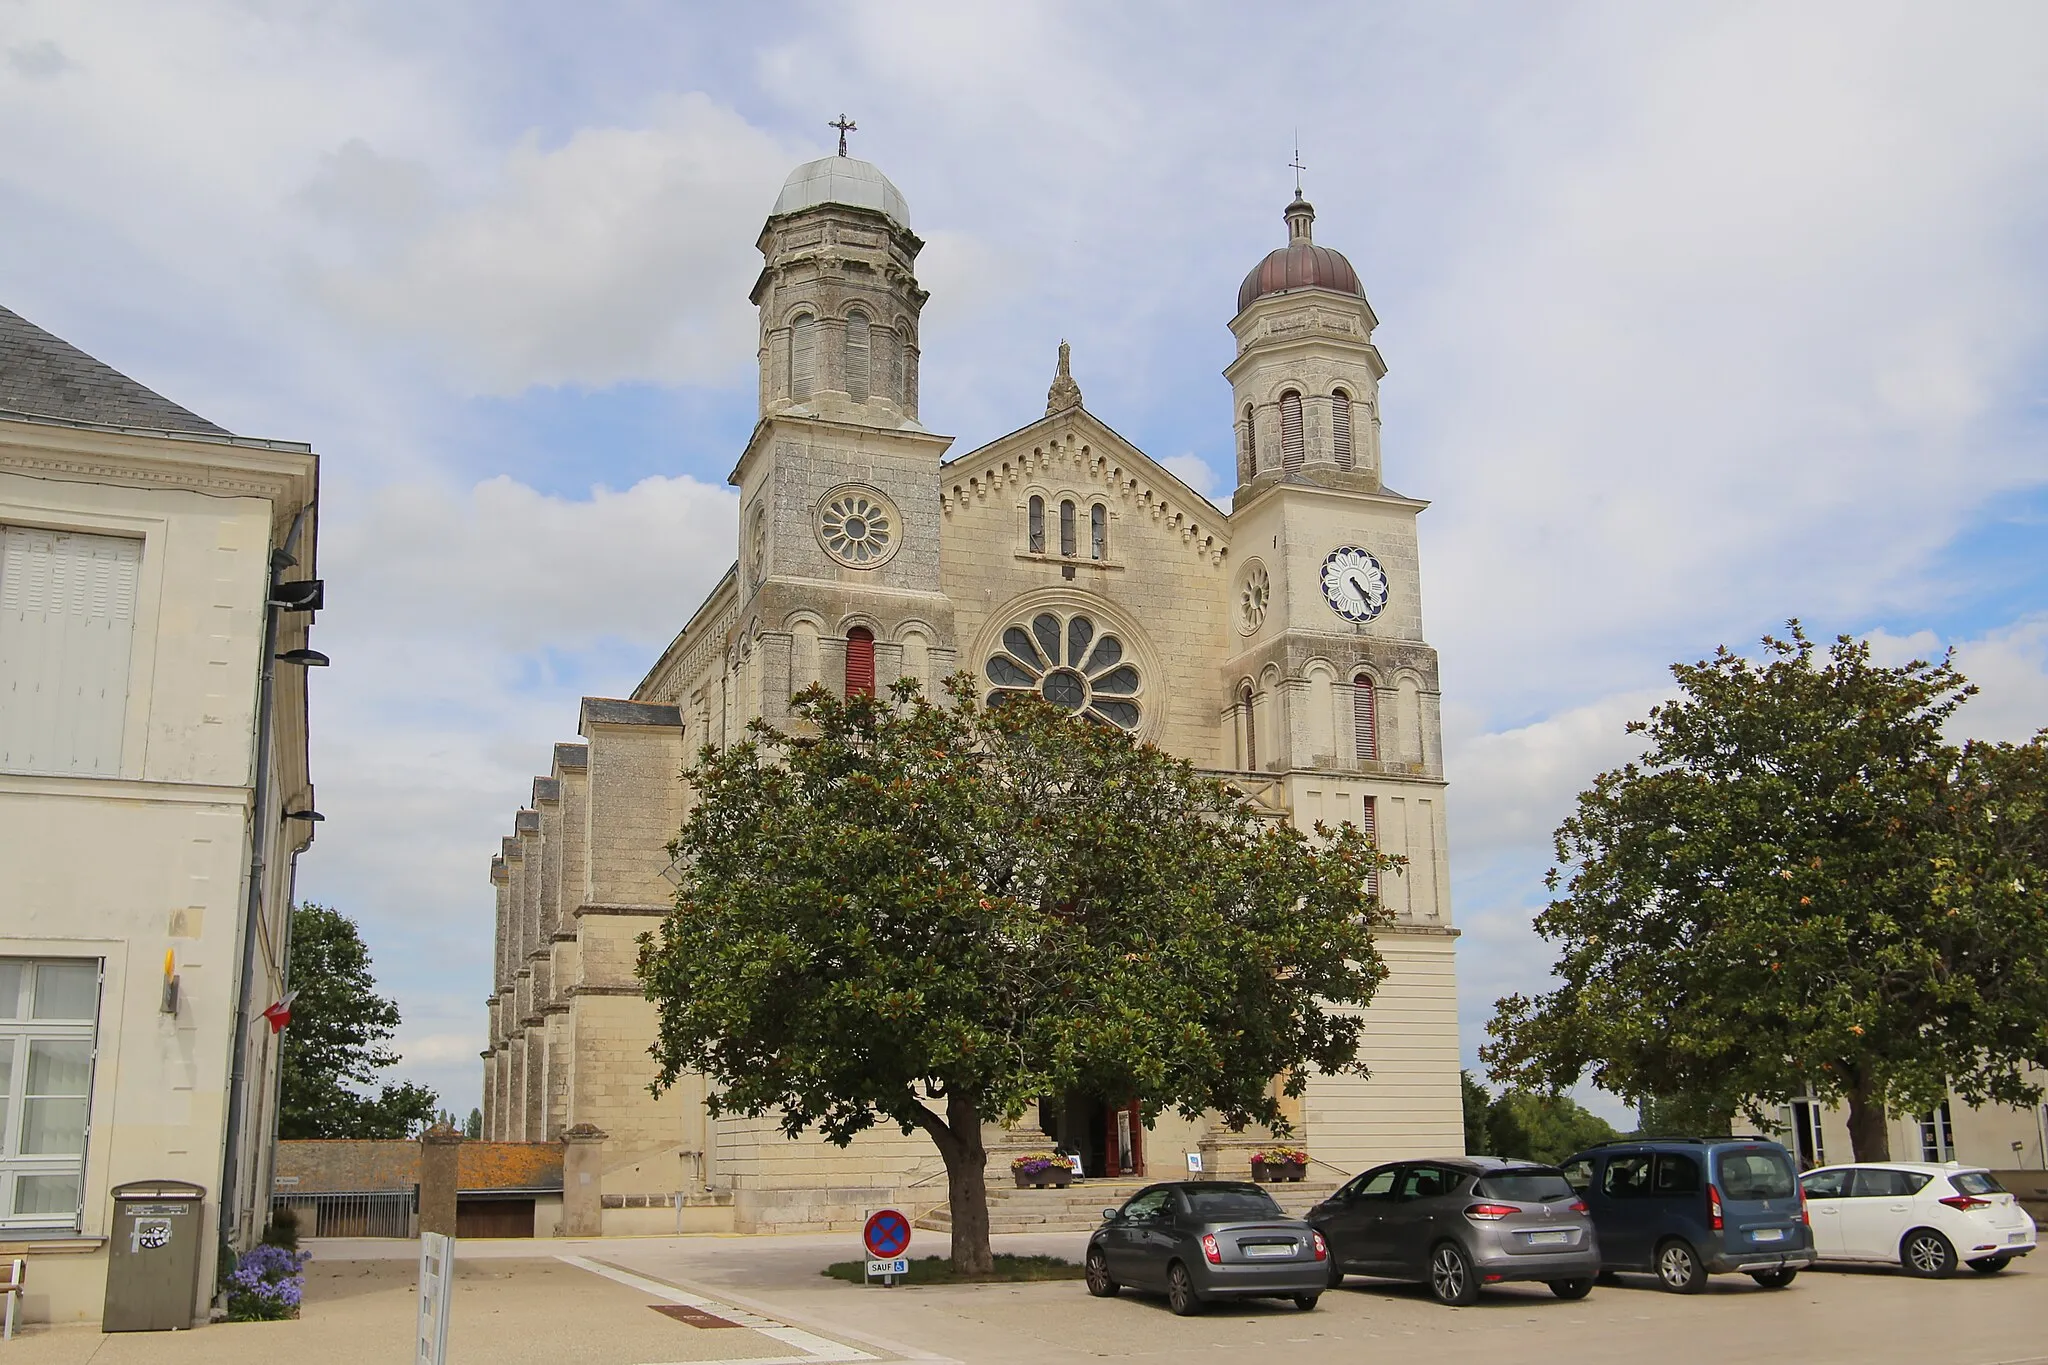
{"x": 887, "y": 1235}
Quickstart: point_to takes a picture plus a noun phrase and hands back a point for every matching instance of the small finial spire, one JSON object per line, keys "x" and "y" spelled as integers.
{"x": 1065, "y": 393}
{"x": 1296, "y": 164}
{"x": 845, "y": 125}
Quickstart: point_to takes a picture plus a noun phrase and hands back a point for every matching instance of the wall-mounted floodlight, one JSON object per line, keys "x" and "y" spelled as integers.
{"x": 305, "y": 658}
{"x": 305, "y": 594}
{"x": 304, "y": 815}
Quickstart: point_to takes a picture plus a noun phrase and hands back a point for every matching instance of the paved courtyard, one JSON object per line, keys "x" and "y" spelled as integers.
{"x": 761, "y": 1300}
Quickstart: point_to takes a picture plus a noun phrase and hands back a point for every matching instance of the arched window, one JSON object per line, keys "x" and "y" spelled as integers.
{"x": 803, "y": 356}
{"x": 899, "y": 347}
{"x": 860, "y": 662}
{"x": 1251, "y": 728}
{"x": 1365, "y": 718}
{"x": 1340, "y": 427}
{"x": 1098, "y": 532}
{"x": 1292, "y": 451}
{"x": 1035, "y": 522}
{"x": 1251, "y": 444}
{"x": 1067, "y": 545}
{"x": 857, "y": 356}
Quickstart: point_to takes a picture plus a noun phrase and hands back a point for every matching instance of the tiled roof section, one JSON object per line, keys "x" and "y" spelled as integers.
{"x": 46, "y": 376}
{"x": 606, "y": 711}
{"x": 572, "y": 755}
{"x": 348, "y": 1165}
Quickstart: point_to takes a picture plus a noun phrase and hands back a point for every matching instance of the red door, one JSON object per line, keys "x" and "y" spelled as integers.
{"x": 1124, "y": 1142}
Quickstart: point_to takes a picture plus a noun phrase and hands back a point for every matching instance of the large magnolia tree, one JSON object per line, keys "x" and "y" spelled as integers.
{"x": 929, "y": 915}
{"x": 1801, "y": 885}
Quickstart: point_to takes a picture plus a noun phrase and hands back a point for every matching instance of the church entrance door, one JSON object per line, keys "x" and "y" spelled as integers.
{"x": 1110, "y": 1139}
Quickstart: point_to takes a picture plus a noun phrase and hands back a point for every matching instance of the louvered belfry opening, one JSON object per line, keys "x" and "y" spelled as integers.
{"x": 1365, "y": 718}
{"x": 803, "y": 357}
{"x": 860, "y": 662}
{"x": 857, "y": 356}
{"x": 1251, "y": 444}
{"x": 1340, "y": 428}
{"x": 1369, "y": 825}
{"x": 1292, "y": 448}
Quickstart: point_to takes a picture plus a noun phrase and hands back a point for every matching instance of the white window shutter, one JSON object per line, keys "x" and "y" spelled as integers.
{"x": 67, "y": 623}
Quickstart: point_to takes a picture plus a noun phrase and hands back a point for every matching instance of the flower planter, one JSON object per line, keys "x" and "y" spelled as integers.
{"x": 1272, "y": 1172}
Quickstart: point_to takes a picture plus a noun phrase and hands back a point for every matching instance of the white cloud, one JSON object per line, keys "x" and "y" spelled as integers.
{"x": 2009, "y": 666}
{"x": 1195, "y": 472}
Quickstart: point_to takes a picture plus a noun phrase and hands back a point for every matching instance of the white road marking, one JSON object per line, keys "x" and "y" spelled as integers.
{"x": 814, "y": 1347}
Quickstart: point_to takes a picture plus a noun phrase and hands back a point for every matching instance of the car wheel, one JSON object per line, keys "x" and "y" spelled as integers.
{"x": 1306, "y": 1302}
{"x": 1776, "y": 1279}
{"x": 1101, "y": 1283}
{"x": 1180, "y": 1291}
{"x": 1571, "y": 1289}
{"x": 1450, "y": 1276}
{"x": 1679, "y": 1269}
{"x": 1991, "y": 1265}
{"x": 1928, "y": 1254}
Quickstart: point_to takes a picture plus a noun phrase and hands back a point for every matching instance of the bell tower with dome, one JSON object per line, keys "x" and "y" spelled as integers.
{"x": 838, "y": 559}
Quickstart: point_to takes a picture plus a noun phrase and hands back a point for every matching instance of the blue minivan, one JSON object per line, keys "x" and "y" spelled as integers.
{"x": 1686, "y": 1208}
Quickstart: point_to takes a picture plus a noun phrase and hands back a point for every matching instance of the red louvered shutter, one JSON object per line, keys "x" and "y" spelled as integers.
{"x": 1365, "y": 718}
{"x": 860, "y": 662}
{"x": 1368, "y": 822}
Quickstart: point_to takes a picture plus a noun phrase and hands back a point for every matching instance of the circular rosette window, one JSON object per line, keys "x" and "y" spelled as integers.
{"x": 1069, "y": 662}
{"x": 1254, "y": 595}
{"x": 858, "y": 527}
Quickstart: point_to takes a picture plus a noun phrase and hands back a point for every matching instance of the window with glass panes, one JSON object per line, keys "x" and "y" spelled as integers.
{"x": 49, "y": 1010}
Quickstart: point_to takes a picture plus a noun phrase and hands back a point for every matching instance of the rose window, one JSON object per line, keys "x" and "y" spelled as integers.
{"x": 1253, "y": 596}
{"x": 1070, "y": 664}
{"x": 857, "y": 528}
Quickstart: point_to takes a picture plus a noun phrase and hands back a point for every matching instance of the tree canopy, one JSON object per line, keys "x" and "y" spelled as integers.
{"x": 1528, "y": 1124}
{"x": 334, "y": 1043}
{"x": 930, "y": 915}
{"x": 1802, "y": 884}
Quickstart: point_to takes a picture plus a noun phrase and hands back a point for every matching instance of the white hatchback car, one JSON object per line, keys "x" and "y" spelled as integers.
{"x": 1929, "y": 1219}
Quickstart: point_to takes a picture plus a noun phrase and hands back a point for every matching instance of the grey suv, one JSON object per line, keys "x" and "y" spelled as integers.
{"x": 1457, "y": 1223}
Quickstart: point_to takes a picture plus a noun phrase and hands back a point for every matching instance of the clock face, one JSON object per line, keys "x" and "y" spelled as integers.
{"x": 1354, "y": 584}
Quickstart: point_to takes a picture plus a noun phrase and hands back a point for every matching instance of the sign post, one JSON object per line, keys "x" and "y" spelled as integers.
{"x": 887, "y": 1238}
{"x": 437, "y": 1288}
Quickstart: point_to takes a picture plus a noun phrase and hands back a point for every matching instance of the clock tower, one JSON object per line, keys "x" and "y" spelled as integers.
{"x": 1332, "y": 689}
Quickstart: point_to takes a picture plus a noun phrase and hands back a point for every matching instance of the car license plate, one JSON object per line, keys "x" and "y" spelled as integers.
{"x": 2015, "y": 1237}
{"x": 1768, "y": 1235}
{"x": 1263, "y": 1249}
{"x": 1549, "y": 1239}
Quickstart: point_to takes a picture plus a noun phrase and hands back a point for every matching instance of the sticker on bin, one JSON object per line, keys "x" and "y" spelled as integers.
{"x": 899, "y": 1266}
{"x": 152, "y": 1233}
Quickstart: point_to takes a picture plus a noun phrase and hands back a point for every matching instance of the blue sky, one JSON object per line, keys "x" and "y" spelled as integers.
{"x": 1698, "y": 318}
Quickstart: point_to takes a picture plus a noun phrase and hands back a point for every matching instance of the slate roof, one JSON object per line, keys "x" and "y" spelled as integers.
{"x": 46, "y": 376}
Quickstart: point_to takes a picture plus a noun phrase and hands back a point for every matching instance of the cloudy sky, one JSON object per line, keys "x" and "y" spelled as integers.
{"x": 1699, "y": 317}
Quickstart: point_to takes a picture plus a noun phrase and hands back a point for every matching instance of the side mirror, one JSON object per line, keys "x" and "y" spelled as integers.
{"x": 1109, "y": 1215}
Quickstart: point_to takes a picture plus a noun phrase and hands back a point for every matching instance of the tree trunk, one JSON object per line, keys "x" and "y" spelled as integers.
{"x": 1870, "y": 1136}
{"x": 958, "y": 1138}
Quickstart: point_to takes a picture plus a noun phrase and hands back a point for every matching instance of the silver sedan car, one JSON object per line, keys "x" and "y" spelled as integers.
{"x": 1457, "y": 1223}
{"x": 1200, "y": 1240}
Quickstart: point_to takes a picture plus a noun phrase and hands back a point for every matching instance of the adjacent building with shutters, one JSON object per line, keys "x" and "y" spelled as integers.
{"x": 146, "y": 771}
{"x": 1279, "y": 644}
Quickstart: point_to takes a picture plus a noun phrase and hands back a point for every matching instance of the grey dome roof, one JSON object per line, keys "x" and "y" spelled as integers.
{"x": 842, "y": 180}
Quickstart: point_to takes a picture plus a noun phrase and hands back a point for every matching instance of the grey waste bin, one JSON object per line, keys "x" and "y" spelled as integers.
{"x": 153, "y": 1256}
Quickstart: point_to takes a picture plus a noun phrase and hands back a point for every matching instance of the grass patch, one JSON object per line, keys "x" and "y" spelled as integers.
{"x": 939, "y": 1270}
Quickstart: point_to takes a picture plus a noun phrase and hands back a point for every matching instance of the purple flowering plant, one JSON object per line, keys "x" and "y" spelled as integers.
{"x": 267, "y": 1285}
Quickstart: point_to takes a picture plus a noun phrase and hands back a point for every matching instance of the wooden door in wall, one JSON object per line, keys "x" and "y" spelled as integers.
{"x": 1124, "y": 1142}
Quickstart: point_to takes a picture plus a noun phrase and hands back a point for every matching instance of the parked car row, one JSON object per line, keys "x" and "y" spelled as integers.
{"x": 1680, "y": 1209}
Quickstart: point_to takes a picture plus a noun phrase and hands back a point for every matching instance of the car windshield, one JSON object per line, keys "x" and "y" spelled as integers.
{"x": 1754, "y": 1173}
{"x": 1976, "y": 1182}
{"x": 1215, "y": 1205}
{"x": 1532, "y": 1186}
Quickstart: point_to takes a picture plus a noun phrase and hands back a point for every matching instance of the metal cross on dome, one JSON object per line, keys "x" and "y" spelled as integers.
{"x": 1296, "y": 163}
{"x": 845, "y": 125}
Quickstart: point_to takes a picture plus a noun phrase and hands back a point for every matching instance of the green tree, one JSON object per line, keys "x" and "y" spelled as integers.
{"x": 475, "y": 1127}
{"x": 1800, "y": 883}
{"x": 929, "y": 915}
{"x": 1477, "y": 1141}
{"x": 1685, "y": 1116}
{"x": 334, "y": 1043}
{"x": 1540, "y": 1127}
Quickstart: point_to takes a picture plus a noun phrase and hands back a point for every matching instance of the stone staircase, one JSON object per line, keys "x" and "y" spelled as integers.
{"x": 1078, "y": 1208}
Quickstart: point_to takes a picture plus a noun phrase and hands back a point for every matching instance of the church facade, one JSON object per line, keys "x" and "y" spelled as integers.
{"x": 1279, "y": 645}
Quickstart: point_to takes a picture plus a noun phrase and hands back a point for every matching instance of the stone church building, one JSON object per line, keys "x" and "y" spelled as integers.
{"x": 1279, "y": 644}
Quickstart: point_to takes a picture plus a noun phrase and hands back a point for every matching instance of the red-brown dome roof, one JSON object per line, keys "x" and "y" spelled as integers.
{"x": 1301, "y": 264}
